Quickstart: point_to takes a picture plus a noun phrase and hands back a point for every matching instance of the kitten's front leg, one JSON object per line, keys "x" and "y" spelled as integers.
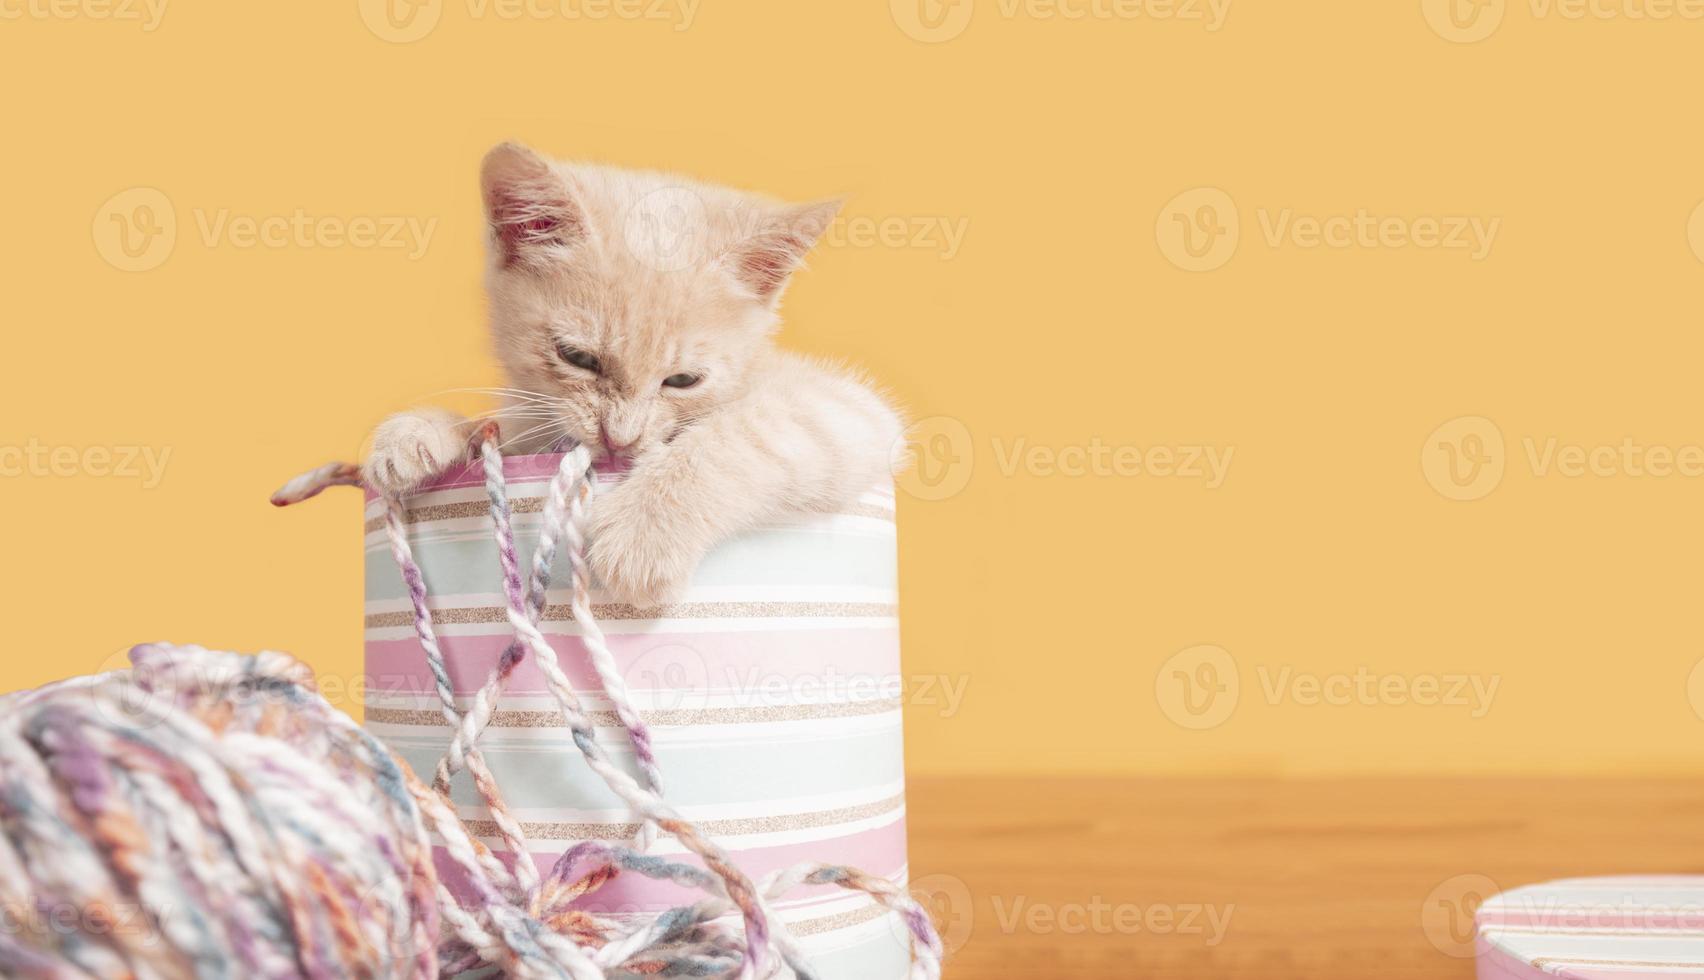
{"x": 412, "y": 447}
{"x": 808, "y": 439}
{"x": 650, "y": 531}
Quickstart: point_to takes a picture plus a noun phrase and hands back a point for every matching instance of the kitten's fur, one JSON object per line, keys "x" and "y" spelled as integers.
{"x": 656, "y": 277}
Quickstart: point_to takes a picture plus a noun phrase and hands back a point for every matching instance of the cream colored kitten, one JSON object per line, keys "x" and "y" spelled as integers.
{"x": 635, "y": 313}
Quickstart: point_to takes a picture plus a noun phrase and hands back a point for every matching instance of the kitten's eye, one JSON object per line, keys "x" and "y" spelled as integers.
{"x": 681, "y": 380}
{"x": 579, "y": 358}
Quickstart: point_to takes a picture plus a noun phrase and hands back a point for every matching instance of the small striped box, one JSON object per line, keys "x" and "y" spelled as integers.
{"x": 773, "y": 691}
{"x": 1636, "y": 928}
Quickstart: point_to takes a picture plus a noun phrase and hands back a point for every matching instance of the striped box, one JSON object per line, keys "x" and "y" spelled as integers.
{"x": 773, "y": 691}
{"x": 1643, "y": 928}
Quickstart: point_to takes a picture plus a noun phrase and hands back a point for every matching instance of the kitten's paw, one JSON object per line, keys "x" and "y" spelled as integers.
{"x": 411, "y": 448}
{"x": 636, "y": 557}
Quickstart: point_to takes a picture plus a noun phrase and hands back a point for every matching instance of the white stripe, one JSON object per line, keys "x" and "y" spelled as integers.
{"x": 811, "y": 803}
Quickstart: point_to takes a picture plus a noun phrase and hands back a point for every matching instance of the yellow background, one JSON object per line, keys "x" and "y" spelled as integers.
{"x": 1056, "y": 144}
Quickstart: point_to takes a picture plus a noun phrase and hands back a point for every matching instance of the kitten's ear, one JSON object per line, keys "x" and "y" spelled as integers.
{"x": 529, "y": 206}
{"x": 764, "y": 262}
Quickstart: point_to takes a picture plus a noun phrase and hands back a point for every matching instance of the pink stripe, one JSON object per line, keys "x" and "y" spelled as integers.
{"x": 878, "y": 851}
{"x": 680, "y": 662}
{"x": 516, "y": 470}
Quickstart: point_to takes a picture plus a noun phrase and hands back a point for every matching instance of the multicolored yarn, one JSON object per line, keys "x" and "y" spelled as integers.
{"x": 208, "y": 815}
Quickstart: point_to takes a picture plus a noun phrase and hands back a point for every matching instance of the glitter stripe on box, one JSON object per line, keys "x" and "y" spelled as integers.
{"x": 785, "y": 649}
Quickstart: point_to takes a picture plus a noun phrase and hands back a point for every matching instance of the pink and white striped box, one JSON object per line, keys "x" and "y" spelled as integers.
{"x": 1633, "y": 928}
{"x": 773, "y": 692}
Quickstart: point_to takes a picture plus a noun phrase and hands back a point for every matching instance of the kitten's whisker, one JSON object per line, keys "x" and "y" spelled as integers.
{"x": 524, "y": 413}
{"x": 507, "y": 425}
{"x": 520, "y": 412}
{"x": 506, "y": 443}
{"x": 492, "y": 390}
{"x": 515, "y": 393}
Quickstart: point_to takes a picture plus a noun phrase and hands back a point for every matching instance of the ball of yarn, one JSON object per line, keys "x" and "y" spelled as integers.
{"x": 207, "y": 815}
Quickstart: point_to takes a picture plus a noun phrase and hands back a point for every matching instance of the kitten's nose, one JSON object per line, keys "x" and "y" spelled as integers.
{"x": 611, "y": 446}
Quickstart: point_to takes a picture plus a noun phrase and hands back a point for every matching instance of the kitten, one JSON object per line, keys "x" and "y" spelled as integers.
{"x": 636, "y": 312}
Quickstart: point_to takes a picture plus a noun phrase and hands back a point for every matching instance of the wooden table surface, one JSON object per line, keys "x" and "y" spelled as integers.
{"x": 1264, "y": 880}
